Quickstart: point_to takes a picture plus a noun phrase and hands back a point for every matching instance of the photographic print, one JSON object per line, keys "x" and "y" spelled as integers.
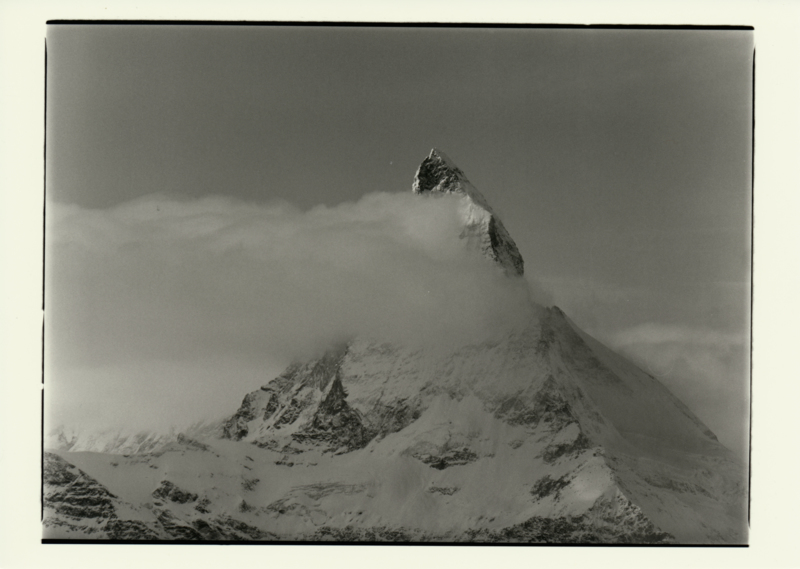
{"x": 397, "y": 284}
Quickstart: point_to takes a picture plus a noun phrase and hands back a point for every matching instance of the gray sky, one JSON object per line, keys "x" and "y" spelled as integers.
{"x": 619, "y": 161}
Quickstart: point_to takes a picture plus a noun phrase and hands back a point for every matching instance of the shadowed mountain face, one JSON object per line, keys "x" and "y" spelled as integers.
{"x": 544, "y": 435}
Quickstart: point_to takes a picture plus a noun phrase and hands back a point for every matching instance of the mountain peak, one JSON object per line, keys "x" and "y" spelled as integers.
{"x": 438, "y": 174}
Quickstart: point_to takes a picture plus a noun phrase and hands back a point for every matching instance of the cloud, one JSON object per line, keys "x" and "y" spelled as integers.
{"x": 707, "y": 369}
{"x": 146, "y": 293}
{"x": 693, "y": 339}
{"x": 654, "y": 334}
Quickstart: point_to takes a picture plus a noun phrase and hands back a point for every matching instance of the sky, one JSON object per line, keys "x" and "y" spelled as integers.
{"x": 223, "y": 199}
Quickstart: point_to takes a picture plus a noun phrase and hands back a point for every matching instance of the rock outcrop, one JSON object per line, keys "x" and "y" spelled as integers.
{"x": 482, "y": 228}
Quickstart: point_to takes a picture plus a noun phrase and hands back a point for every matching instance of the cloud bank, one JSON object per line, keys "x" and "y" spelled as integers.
{"x": 695, "y": 342}
{"x": 159, "y": 307}
{"x": 706, "y": 368}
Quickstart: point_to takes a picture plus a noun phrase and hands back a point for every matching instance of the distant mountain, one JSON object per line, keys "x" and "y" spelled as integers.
{"x": 120, "y": 441}
{"x": 108, "y": 441}
{"x": 545, "y": 435}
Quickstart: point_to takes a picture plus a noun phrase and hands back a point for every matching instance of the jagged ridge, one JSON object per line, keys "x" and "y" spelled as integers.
{"x": 482, "y": 228}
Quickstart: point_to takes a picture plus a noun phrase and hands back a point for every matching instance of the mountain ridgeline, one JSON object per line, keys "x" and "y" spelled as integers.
{"x": 481, "y": 227}
{"x": 543, "y": 436}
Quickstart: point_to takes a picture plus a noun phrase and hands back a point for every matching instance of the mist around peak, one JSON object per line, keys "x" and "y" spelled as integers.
{"x": 161, "y": 311}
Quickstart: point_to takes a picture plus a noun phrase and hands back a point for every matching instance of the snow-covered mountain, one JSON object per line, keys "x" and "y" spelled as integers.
{"x": 544, "y": 435}
{"x": 121, "y": 441}
{"x": 112, "y": 441}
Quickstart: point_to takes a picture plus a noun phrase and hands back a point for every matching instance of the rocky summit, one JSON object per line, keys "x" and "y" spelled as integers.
{"x": 482, "y": 228}
{"x": 542, "y": 436}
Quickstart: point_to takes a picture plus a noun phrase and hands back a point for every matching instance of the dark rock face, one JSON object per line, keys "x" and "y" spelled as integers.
{"x": 281, "y": 402}
{"x": 336, "y": 423}
{"x": 271, "y": 407}
{"x": 439, "y": 175}
{"x": 59, "y": 472}
{"x": 443, "y": 490}
{"x": 249, "y": 484}
{"x": 76, "y": 503}
{"x": 447, "y": 458}
{"x": 168, "y": 491}
{"x": 548, "y": 405}
{"x": 290, "y": 413}
{"x": 219, "y": 528}
{"x": 557, "y": 450}
{"x": 571, "y": 529}
{"x": 547, "y": 486}
{"x": 503, "y": 249}
{"x": 234, "y": 529}
{"x": 609, "y": 520}
{"x": 615, "y": 520}
{"x": 551, "y": 406}
{"x": 76, "y": 494}
{"x": 202, "y": 506}
{"x": 235, "y": 428}
{"x": 176, "y": 528}
{"x": 130, "y": 530}
{"x": 359, "y": 534}
{"x": 550, "y": 409}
